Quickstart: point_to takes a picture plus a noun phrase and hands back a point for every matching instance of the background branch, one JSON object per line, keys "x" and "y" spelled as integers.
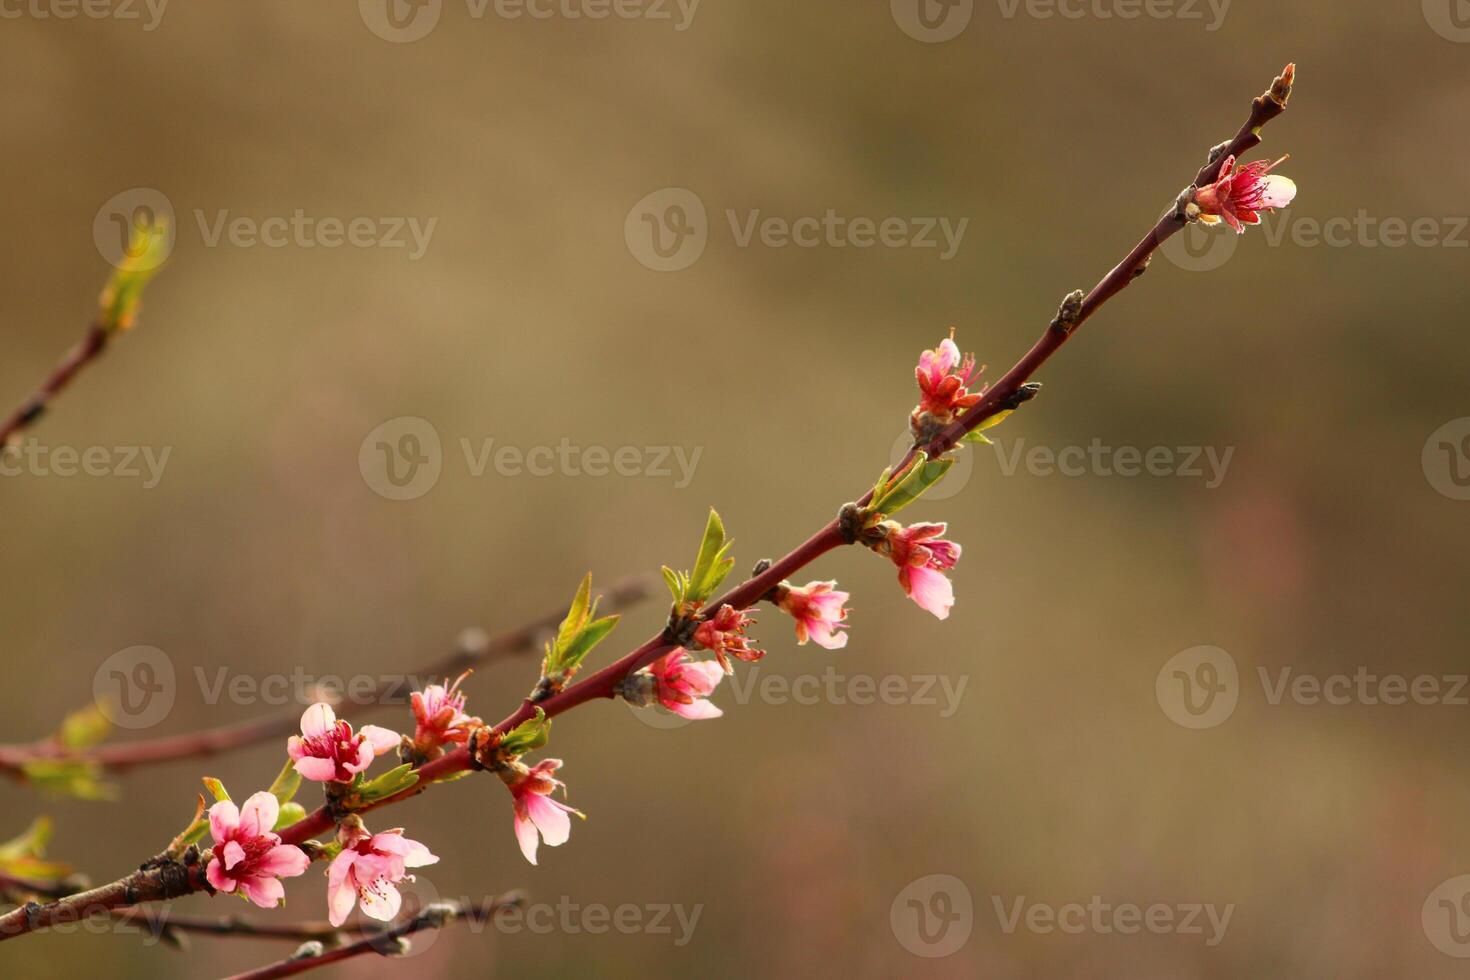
{"x": 473, "y": 649}
{"x": 388, "y": 941}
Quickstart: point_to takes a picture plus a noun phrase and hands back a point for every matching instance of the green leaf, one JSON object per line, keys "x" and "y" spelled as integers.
{"x": 30, "y": 844}
{"x": 395, "y": 780}
{"x": 594, "y": 633}
{"x": 286, "y": 784}
{"x": 68, "y": 778}
{"x": 578, "y": 614}
{"x": 148, "y": 248}
{"x": 977, "y": 436}
{"x": 909, "y": 484}
{"x": 712, "y": 564}
{"x": 290, "y": 813}
{"x": 531, "y": 734}
{"x": 675, "y": 583}
{"x": 216, "y": 789}
{"x": 84, "y": 728}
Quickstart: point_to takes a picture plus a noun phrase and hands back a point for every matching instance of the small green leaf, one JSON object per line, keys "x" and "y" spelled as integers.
{"x": 68, "y": 778}
{"x": 286, "y": 784}
{"x": 30, "y": 844}
{"x": 395, "y": 780}
{"x": 531, "y": 734}
{"x": 978, "y": 437}
{"x": 675, "y": 584}
{"x": 710, "y": 567}
{"x": 290, "y": 813}
{"x": 911, "y": 483}
{"x": 593, "y": 634}
{"x": 216, "y": 788}
{"x": 84, "y": 728}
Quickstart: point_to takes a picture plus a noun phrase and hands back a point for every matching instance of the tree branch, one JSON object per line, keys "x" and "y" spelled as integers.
{"x": 604, "y": 683}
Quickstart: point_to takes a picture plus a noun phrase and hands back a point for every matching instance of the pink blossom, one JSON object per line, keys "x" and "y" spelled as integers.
{"x": 537, "y": 811}
{"x": 328, "y": 751}
{"x": 818, "y": 610}
{"x": 684, "y": 685}
{"x": 723, "y": 634}
{"x": 247, "y": 855}
{"x": 439, "y": 714}
{"x": 944, "y": 381}
{"x": 922, "y": 557}
{"x": 1239, "y": 196}
{"x": 368, "y": 870}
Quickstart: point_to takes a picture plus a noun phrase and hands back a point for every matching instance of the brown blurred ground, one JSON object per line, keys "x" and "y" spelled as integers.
{"x": 527, "y": 320}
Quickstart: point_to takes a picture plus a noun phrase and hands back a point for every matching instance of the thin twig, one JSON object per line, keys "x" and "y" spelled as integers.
{"x": 474, "y": 649}
{"x": 85, "y": 352}
{"x": 388, "y": 942}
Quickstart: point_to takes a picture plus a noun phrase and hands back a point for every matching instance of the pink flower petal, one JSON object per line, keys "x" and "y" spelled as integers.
{"x": 220, "y": 881}
{"x": 285, "y": 861}
{"x": 1277, "y": 191}
{"x": 341, "y": 893}
{"x": 317, "y": 719}
{"x": 224, "y": 820}
{"x": 550, "y": 817}
{"x": 258, "y": 815}
{"x": 825, "y": 635}
{"x": 231, "y": 854}
{"x": 265, "y": 892}
{"x": 526, "y": 836}
{"x": 931, "y": 590}
{"x": 382, "y": 739}
{"x": 697, "y": 711}
{"x": 380, "y": 900}
{"x": 320, "y": 770}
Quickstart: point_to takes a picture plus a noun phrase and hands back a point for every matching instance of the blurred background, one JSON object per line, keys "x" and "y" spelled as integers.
{"x": 601, "y": 264}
